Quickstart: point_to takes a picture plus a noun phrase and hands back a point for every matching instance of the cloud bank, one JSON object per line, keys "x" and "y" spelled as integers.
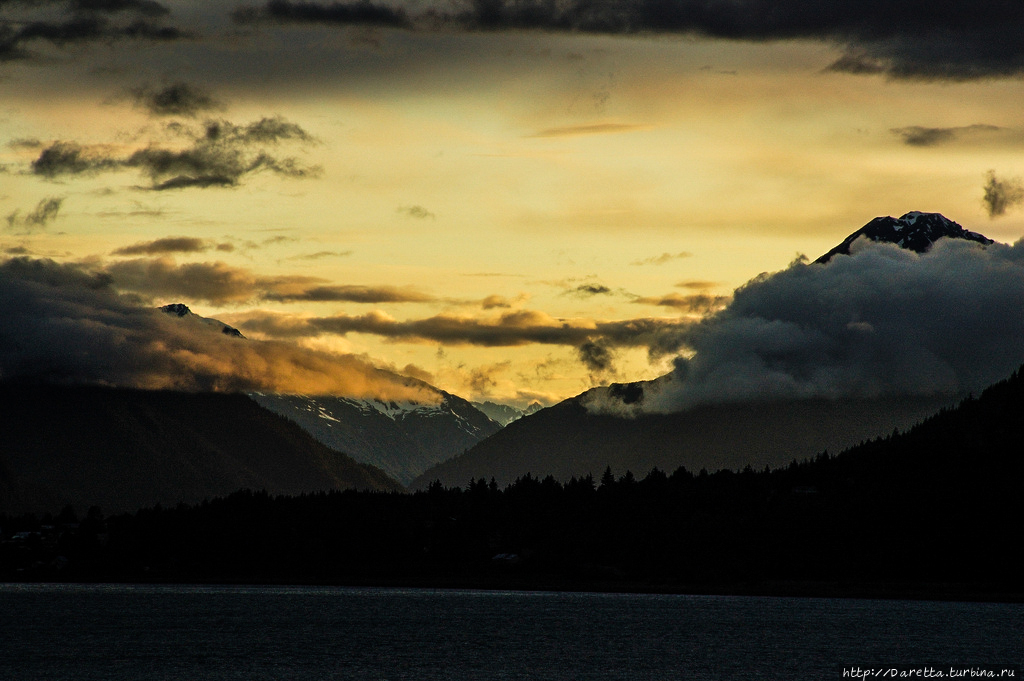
{"x": 919, "y": 39}
{"x": 63, "y": 324}
{"x": 882, "y": 321}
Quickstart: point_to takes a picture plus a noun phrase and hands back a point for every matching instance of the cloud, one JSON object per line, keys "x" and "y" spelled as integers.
{"x": 220, "y": 154}
{"x": 697, "y": 285}
{"x": 662, "y": 259}
{"x": 219, "y": 283}
{"x": 83, "y": 21}
{"x": 44, "y": 213}
{"x": 1002, "y": 194}
{"x": 697, "y": 303}
{"x": 883, "y": 321}
{"x": 597, "y": 357}
{"x": 176, "y": 99}
{"x": 589, "y": 290}
{"x": 591, "y": 129}
{"x": 917, "y": 136}
{"x": 495, "y": 301}
{"x": 320, "y": 255}
{"x": 507, "y": 329}
{"x": 360, "y": 12}
{"x": 352, "y": 294}
{"x": 64, "y": 324}
{"x": 213, "y": 282}
{"x": 955, "y": 40}
{"x": 418, "y": 212}
{"x": 171, "y": 244}
{"x": 70, "y": 158}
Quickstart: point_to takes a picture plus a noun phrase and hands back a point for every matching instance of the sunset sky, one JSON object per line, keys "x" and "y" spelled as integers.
{"x": 510, "y": 201}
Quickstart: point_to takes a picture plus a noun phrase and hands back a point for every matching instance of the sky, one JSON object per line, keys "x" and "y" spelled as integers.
{"x": 512, "y": 201}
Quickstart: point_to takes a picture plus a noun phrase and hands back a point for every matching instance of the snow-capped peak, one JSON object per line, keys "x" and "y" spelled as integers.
{"x": 915, "y": 231}
{"x": 181, "y": 310}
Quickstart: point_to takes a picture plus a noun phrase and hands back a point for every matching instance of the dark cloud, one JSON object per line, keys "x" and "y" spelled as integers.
{"x": 920, "y": 39}
{"x": 883, "y": 321}
{"x": 662, "y": 259}
{"x": 1002, "y": 194}
{"x": 361, "y": 12}
{"x": 418, "y": 212}
{"x": 220, "y": 284}
{"x": 62, "y": 323}
{"x": 172, "y": 244}
{"x": 697, "y": 285}
{"x": 221, "y": 154}
{"x": 213, "y": 282}
{"x": 589, "y": 290}
{"x": 352, "y": 294}
{"x": 509, "y": 329}
{"x": 176, "y": 99}
{"x": 697, "y": 303}
{"x": 917, "y": 136}
{"x": 69, "y": 158}
{"x": 44, "y": 213}
{"x": 597, "y": 357}
{"x": 83, "y": 21}
{"x": 25, "y": 143}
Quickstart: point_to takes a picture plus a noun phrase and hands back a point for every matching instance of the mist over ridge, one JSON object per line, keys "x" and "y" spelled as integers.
{"x": 883, "y": 320}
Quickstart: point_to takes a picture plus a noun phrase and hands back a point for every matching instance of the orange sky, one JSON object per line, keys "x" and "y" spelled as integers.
{"x": 483, "y": 210}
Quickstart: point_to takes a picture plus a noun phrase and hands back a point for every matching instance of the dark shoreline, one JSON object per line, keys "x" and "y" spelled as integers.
{"x": 949, "y": 592}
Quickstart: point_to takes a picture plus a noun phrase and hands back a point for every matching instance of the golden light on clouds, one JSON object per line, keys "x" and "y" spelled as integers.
{"x": 658, "y": 171}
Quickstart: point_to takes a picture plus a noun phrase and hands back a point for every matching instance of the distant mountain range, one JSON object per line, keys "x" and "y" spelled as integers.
{"x": 402, "y": 439}
{"x": 505, "y": 414}
{"x": 123, "y": 449}
{"x": 571, "y": 440}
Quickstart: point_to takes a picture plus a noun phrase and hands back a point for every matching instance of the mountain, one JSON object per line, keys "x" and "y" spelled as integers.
{"x": 915, "y": 231}
{"x": 401, "y": 438}
{"x": 181, "y": 310}
{"x": 505, "y": 414}
{"x": 571, "y": 439}
{"x": 123, "y": 449}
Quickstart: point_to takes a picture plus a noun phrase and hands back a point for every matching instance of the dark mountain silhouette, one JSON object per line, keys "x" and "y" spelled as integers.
{"x": 122, "y": 449}
{"x": 402, "y": 439}
{"x": 568, "y": 440}
{"x": 915, "y": 231}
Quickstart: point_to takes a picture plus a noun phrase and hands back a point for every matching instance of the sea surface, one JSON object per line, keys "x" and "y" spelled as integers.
{"x": 150, "y": 633}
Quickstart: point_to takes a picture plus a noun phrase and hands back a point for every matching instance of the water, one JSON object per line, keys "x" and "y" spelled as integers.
{"x": 157, "y": 633}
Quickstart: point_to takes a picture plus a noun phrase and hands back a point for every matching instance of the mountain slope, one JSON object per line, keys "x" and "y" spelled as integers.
{"x": 567, "y": 440}
{"x": 123, "y": 449}
{"x": 402, "y": 439}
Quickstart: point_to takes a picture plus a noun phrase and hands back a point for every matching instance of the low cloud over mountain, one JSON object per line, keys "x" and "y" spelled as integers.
{"x": 62, "y": 323}
{"x": 881, "y": 321}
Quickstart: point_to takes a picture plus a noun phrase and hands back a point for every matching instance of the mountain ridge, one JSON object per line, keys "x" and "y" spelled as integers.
{"x": 122, "y": 449}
